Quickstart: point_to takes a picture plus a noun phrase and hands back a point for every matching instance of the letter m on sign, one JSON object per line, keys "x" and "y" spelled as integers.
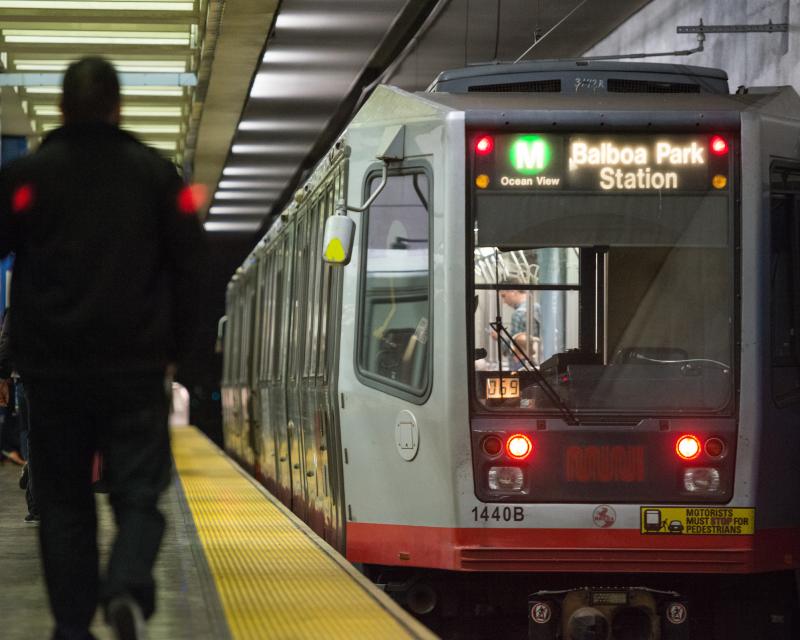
{"x": 530, "y": 154}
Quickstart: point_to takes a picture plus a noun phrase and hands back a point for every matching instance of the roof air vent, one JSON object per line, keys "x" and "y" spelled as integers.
{"x": 533, "y": 86}
{"x": 621, "y": 85}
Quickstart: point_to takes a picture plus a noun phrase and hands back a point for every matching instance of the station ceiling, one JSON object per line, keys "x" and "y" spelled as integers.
{"x": 248, "y": 94}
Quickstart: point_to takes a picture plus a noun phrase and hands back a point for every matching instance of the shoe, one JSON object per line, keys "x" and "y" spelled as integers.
{"x": 32, "y": 518}
{"x": 23, "y": 477}
{"x": 14, "y": 457}
{"x": 126, "y": 619}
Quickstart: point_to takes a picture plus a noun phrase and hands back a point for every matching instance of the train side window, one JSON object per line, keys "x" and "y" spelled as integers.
{"x": 393, "y": 346}
{"x": 785, "y": 282}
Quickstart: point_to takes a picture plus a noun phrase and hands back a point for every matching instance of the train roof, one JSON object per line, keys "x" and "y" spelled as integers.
{"x": 618, "y": 110}
{"x": 582, "y": 75}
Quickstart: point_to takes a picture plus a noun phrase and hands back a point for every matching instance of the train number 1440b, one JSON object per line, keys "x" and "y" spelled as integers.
{"x": 498, "y": 514}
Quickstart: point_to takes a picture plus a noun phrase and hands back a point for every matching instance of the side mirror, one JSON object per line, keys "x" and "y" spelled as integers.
{"x": 337, "y": 243}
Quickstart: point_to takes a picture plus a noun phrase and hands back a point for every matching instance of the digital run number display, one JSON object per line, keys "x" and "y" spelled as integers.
{"x": 603, "y": 163}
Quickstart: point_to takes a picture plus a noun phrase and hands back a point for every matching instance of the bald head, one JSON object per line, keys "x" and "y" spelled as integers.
{"x": 90, "y": 92}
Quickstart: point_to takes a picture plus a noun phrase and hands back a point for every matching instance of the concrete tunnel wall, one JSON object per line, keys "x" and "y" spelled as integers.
{"x": 751, "y": 59}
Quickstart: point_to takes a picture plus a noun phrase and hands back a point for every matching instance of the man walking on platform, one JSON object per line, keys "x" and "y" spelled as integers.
{"x": 110, "y": 257}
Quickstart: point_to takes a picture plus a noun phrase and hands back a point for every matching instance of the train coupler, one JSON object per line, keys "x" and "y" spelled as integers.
{"x": 607, "y": 613}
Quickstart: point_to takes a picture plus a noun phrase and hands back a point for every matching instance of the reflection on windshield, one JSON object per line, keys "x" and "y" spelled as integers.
{"x": 625, "y": 328}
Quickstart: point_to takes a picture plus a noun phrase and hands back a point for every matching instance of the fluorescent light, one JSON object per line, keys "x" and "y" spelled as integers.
{"x": 236, "y": 210}
{"x": 251, "y": 184}
{"x": 258, "y": 171}
{"x": 123, "y": 66}
{"x": 97, "y": 5}
{"x": 324, "y": 20}
{"x": 232, "y": 226}
{"x": 278, "y": 148}
{"x": 133, "y": 111}
{"x": 325, "y": 85}
{"x": 151, "y": 112}
{"x": 281, "y": 125}
{"x": 59, "y": 36}
{"x": 310, "y": 56}
{"x": 125, "y": 91}
{"x": 152, "y": 128}
{"x": 245, "y": 195}
{"x": 164, "y": 145}
{"x": 151, "y": 91}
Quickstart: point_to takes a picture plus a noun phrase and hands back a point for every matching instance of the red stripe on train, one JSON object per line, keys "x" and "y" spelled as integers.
{"x": 571, "y": 550}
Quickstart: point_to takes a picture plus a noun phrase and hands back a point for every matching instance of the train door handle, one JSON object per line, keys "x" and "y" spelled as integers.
{"x": 283, "y": 458}
{"x": 310, "y": 474}
{"x": 297, "y": 466}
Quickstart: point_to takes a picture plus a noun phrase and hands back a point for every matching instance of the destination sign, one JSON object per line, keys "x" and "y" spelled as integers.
{"x": 603, "y": 163}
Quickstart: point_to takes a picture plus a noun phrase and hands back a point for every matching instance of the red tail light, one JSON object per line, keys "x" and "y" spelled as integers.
{"x": 715, "y": 447}
{"x": 688, "y": 447}
{"x": 492, "y": 445}
{"x": 484, "y": 145}
{"x": 519, "y": 446}
{"x": 718, "y": 146}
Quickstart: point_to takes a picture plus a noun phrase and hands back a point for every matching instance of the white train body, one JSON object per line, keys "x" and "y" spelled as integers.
{"x": 389, "y": 447}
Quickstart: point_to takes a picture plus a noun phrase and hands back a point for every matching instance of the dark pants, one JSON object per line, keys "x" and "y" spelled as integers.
{"x": 25, "y": 422}
{"x": 126, "y": 420}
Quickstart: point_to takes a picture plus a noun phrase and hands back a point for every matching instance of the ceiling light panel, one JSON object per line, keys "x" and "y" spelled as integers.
{"x": 131, "y": 66}
{"x": 97, "y": 5}
{"x": 251, "y": 184}
{"x": 270, "y": 149}
{"x": 284, "y": 171}
{"x": 58, "y": 36}
{"x": 125, "y": 91}
{"x": 232, "y": 226}
{"x": 246, "y": 195}
{"x": 159, "y": 39}
{"x": 242, "y": 210}
{"x": 310, "y": 126}
{"x": 152, "y": 128}
{"x": 286, "y": 84}
{"x": 324, "y": 57}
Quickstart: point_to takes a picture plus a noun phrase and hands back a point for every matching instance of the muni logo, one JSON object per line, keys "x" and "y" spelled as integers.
{"x": 530, "y": 154}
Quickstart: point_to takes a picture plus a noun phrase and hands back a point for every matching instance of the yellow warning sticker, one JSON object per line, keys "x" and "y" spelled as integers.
{"x": 698, "y": 521}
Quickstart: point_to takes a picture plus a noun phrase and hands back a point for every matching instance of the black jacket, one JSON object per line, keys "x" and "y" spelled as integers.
{"x": 110, "y": 256}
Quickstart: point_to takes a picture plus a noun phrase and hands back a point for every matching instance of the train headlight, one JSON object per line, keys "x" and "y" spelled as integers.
{"x": 701, "y": 479}
{"x": 505, "y": 478}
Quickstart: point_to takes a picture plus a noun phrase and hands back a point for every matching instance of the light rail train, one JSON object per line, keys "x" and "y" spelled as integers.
{"x": 559, "y": 353}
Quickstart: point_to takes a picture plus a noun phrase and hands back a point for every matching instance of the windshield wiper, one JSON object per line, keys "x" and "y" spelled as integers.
{"x": 519, "y": 353}
{"x": 687, "y": 361}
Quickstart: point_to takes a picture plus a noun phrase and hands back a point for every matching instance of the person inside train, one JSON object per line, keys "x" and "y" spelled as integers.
{"x": 517, "y": 299}
{"x": 526, "y": 351}
{"x": 109, "y": 274}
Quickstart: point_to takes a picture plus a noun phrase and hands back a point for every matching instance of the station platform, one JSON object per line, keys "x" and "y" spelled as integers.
{"x": 235, "y": 563}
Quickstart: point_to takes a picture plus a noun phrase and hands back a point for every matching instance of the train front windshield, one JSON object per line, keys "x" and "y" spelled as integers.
{"x": 603, "y": 273}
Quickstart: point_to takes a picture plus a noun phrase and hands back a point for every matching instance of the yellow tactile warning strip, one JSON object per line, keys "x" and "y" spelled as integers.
{"x": 276, "y": 578}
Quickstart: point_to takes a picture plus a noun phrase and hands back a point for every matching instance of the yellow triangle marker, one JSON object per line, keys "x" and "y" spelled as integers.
{"x": 334, "y": 251}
